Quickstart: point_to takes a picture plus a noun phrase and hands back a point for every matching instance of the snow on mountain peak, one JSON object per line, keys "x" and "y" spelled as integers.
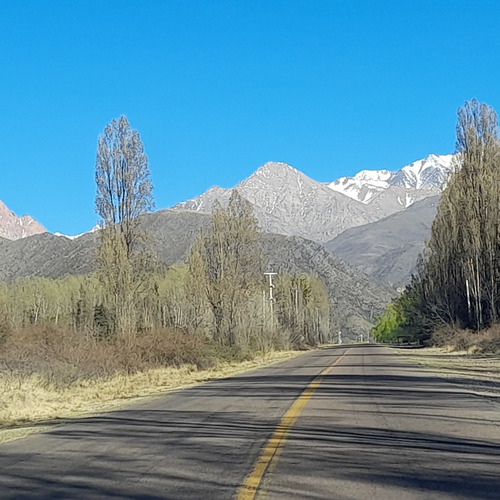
{"x": 96, "y": 228}
{"x": 431, "y": 172}
{"x": 428, "y": 174}
{"x": 364, "y": 185}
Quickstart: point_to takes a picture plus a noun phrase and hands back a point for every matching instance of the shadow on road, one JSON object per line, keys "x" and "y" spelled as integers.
{"x": 202, "y": 442}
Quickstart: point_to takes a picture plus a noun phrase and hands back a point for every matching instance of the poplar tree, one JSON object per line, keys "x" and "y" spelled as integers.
{"x": 122, "y": 175}
{"x": 459, "y": 281}
{"x": 124, "y": 192}
{"x": 228, "y": 262}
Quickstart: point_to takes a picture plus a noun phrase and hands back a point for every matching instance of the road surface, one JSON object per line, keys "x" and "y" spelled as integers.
{"x": 351, "y": 422}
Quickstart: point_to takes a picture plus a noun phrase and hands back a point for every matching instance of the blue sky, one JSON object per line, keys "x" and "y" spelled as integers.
{"x": 217, "y": 88}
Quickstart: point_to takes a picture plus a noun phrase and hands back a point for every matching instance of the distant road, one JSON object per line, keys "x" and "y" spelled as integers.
{"x": 352, "y": 422}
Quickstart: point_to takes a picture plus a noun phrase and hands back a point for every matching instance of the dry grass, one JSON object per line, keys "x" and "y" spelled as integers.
{"x": 486, "y": 341}
{"x": 31, "y": 403}
{"x": 462, "y": 363}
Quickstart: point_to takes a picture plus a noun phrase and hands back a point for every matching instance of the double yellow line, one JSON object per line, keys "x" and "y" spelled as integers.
{"x": 271, "y": 453}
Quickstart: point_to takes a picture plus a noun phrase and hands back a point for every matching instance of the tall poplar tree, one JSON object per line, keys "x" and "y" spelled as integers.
{"x": 124, "y": 191}
{"x": 227, "y": 263}
{"x": 459, "y": 282}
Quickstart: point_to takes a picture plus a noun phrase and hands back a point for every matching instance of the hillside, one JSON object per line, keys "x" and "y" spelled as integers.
{"x": 354, "y": 299}
{"x": 387, "y": 250}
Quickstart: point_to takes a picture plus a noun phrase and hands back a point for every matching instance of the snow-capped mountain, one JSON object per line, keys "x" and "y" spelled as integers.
{"x": 96, "y": 228}
{"x": 413, "y": 182}
{"x": 288, "y": 202}
{"x": 364, "y": 185}
{"x": 13, "y": 227}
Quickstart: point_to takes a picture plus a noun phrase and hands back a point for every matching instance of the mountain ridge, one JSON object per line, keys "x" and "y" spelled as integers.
{"x": 13, "y": 227}
{"x": 427, "y": 175}
{"x": 287, "y": 201}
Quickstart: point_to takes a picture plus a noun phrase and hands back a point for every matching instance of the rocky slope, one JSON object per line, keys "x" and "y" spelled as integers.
{"x": 288, "y": 202}
{"x": 387, "y": 250}
{"x": 13, "y": 227}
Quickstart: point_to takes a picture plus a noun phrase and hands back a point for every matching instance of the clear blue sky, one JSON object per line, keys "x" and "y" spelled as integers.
{"x": 218, "y": 87}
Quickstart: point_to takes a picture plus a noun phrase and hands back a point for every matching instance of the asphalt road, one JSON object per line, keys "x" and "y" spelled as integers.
{"x": 353, "y": 422}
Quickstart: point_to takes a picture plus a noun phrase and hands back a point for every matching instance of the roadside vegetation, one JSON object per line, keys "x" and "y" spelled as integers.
{"x": 136, "y": 326}
{"x": 454, "y": 298}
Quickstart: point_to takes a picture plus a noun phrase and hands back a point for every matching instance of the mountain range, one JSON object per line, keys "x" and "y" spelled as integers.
{"x": 355, "y": 233}
{"x": 377, "y": 220}
{"x": 288, "y": 202}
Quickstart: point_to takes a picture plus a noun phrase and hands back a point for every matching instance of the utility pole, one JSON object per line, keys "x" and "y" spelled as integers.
{"x": 340, "y": 337}
{"x": 296, "y": 301}
{"x": 271, "y": 298}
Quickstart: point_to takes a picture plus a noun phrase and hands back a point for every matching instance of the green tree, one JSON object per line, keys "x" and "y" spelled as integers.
{"x": 228, "y": 262}
{"x": 458, "y": 282}
{"x": 389, "y": 325}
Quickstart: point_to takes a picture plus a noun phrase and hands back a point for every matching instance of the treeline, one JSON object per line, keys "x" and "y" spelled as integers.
{"x": 297, "y": 317}
{"x": 457, "y": 284}
{"x": 221, "y": 293}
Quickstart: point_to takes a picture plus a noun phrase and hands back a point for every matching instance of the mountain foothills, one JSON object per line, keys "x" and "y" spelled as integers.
{"x": 388, "y": 250}
{"x": 354, "y": 297}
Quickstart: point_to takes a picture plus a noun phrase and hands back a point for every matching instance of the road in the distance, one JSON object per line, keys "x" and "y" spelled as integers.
{"x": 375, "y": 427}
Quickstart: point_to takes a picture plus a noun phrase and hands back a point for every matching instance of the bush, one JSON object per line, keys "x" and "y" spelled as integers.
{"x": 62, "y": 357}
{"x": 455, "y": 339}
{"x": 5, "y": 329}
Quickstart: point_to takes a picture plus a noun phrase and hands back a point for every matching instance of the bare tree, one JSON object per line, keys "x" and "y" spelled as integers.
{"x": 124, "y": 188}
{"x": 124, "y": 191}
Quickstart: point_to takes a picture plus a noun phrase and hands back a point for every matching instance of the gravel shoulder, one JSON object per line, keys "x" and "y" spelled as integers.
{"x": 479, "y": 373}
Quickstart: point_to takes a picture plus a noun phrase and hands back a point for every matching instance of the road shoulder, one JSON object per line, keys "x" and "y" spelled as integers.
{"x": 479, "y": 374}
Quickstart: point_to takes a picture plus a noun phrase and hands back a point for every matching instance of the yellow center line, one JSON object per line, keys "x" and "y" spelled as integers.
{"x": 270, "y": 454}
